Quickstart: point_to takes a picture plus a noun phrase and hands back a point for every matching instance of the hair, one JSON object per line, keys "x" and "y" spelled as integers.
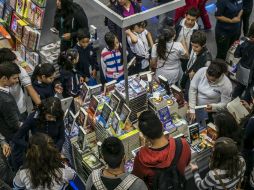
{"x": 83, "y": 34}
{"x": 150, "y": 125}
{"x": 198, "y": 37}
{"x": 50, "y": 106}
{"x": 6, "y": 54}
{"x": 142, "y": 24}
{"x": 166, "y": 35}
{"x": 110, "y": 40}
{"x": 8, "y": 69}
{"x": 41, "y": 149}
{"x": 46, "y": 69}
{"x": 226, "y": 156}
{"x": 217, "y": 68}
{"x": 227, "y": 126}
{"x": 112, "y": 150}
{"x": 66, "y": 58}
{"x": 251, "y": 31}
{"x": 193, "y": 12}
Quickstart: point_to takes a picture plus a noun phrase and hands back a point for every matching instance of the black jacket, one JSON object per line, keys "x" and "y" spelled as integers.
{"x": 44, "y": 90}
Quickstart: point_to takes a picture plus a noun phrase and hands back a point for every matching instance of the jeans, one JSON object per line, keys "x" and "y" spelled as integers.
{"x": 245, "y": 22}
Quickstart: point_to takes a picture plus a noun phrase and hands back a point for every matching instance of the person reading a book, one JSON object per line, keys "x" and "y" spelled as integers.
{"x": 114, "y": 175}
{"x": 226, "y": 166}
{"x": 211, "y": 87}
{"x": 44, "y": 166}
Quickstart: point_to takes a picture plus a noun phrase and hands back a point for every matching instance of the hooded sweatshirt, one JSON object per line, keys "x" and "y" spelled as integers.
{"x": 148, "y": 158}
{"x": 202, "y": 92}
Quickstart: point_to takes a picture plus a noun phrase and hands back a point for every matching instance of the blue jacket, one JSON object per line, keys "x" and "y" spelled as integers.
{"x": 44, "y": 90}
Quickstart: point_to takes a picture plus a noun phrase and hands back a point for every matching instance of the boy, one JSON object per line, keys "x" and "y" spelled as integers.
{"x": 199, "y": 57}
{"x": 140, "y": 42}
{"x": 159, "y": 154}
{"x": 87, "y": 56}
{"x": 114, "y": 176}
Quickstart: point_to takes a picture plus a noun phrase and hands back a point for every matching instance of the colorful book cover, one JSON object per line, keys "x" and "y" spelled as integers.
{"x": 31, "y": 9}
{"x": 93, "y": 105}
{"x": 84, "y": 92}
{"x": 12, "y": 3}
{"x": 7, "y": 14}
{"x": 14, "y": 22}
{"x": 20, "y": 7}
{"x": 194, "y": 135}
{"x": 114, "y": 102}
{"x": 2, "y": 3}
{"x": 125, "y": 113}
{"x": 165, "y": 118}
{"x": 95, "y": 90}
{"x": 38, "y": 17}
{"x": 109, "y": 87}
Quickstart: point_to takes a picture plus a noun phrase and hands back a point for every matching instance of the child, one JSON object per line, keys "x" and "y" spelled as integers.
{"x": 111, "y": 59}
{"x": 87, "y": 56}
{"x": 42, "y": 80}
{"x": 140, "y": 42}
{"x": 70, "y": 77}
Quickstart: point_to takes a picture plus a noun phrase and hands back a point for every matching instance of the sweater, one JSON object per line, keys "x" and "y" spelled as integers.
{"x": 44, "y": 90}
{"x": 9, "y": 115}
{"x": 147, "y": 159}
{"x": 201, "y": 92}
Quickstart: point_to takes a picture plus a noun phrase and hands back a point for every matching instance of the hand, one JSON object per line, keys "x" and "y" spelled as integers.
{"x": 66, "y": 36}
{"x": 82, "y": 80}
{"x": 191, "y": 74}
{"x": 192, "y": 117}
{"x": 128, "y": 31}
{"x": 94, "y": 73}
{"x": 209, "y": 108}
{"x": 246, "y": 105}
{"x": 6, "y": 150}
{"x": 194, "y": 167}
{"x": 58, "y": 88}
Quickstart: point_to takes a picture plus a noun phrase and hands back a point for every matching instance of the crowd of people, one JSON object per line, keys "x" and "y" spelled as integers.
{"x": 31, "y": 143}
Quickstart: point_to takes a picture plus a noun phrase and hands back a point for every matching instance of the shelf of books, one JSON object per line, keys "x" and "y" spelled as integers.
{"x": 27, "y": 22}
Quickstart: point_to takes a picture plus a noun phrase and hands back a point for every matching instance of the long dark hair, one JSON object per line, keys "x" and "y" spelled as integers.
{"x": 66, "y": 59}
{"x": 50, "y": 106}
{"x": 46, "y": 69}
{"x": 166, "y": 35}
{"x": 43, "y": 161}
{"x": 226, "y": 157}
{"x": 66, "y": 12}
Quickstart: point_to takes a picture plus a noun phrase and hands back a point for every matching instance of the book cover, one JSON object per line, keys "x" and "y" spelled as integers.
{"x": 66, "y": 103}
{"x": 2, "y": 3}
{"x": 95, "y": 90}
{"x": 211, "y": 132}
{"x": 144, "y": 75}
{"x": 91, "y": 161}
{"x": 93, "y": 105}
{"x": 194, "y": 135}
{"x": 82, "y": 141}
{"x": 20, "y": 7}
{"x": 201, "y": 115}
{"x": 105, "y": 113}
{"x": 38, "y": 17}
{"x": 14, "y": 20}
{"x": 12, "y": 3}
{"x": 109, "y": 87}
{"x": 165, "y": 118}
{"x": 25, "y": 37}
{"x": 20, "y": 26}
{"x": 114, "y": 102}
{"x": 164, "y": 84}
{"x": 7, "y": 15}
{"x": 31, "y": 9}
{"x": 236, "y": 108}
{"x": 178, "y": 95}
{"x": 115, "y": 124}
{"x": 125, "y": 113}
{"x": 84, "y": 92}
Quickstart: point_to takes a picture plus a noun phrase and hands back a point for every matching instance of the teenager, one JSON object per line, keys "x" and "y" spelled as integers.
{"x": 114, "y": 175}
{"x": 161, "y": 151}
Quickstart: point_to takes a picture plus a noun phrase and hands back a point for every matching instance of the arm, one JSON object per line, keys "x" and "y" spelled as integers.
{"x": 68, "y": 173}
{"x": 154, "y": 58}
{"x": 33, "y": 94}
{"x": 18, "y": 183}
{"x": 206, "y": 183}
{"x": 193, "y": 92}
{"x": 103, "y": 67}
{"x": 61, "y": 137}
{"x": 149, "y": 39}
{"x": 89, "y": 182}
{"x": 133, "y": 37}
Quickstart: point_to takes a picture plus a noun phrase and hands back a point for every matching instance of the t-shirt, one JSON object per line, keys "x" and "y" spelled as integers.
{"x": 130, "y": 12}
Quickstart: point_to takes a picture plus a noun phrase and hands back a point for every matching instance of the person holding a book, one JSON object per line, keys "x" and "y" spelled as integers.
{"x": 114, "y": 175}
{"x": 211, "y": 87}
{"x": 226, "y": 166}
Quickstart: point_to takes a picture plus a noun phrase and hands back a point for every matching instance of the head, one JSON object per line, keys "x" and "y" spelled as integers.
{"x": 139, "y": 27}
{"x": 9, "y": 74}
{"x": 198, "y": 41}
{"x": 68, "y": 59}
{"x": 167, "y": 34}
{"x": 63, "y": 4}
{"x": 225, "y": 156}
{"x": 111, "y": 41}
{"x": 251, "y": 32}
{"x": 191, "y": 17}
{"x": 84, "y": 38}
{"x": 215, "y": 70}
{"x": 123, "y": 2}
{"x": 112, "y": 150}
{"x": 6, "y": 54}
{"x": 41, "y": 148}
{"x": 44, "y": 73}
{"x": 150, "y": 125}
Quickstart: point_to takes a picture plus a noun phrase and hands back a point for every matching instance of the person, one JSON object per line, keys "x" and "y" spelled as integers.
{"x": 87, "y": 56}
{"x": 70, "y": 77}
{"x": 247, "y": 10}
{"x": 226, "y": 167}
{"x": 113, "y": 175}
{"x": 42, "y": 80}
{"x": 166, "y": 54}
{"x": 199, "y": 57}
{"x": 140, "y": 41}
{"x": 228, "y": 25}
{"x": 244, "y": 73}
{"x": 124, "y": 8}
{"x": 161, "y": 151}
{"x": 6, "y": 54}
{"x": 210, "y": 86}
{"x": 53, "y": 173}
{"x": 111, "y": 4}
{"x": 69, "y": 19}
{"x": 111, "y": 59}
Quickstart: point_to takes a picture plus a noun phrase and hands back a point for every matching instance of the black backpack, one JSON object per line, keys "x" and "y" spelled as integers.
{"x": 169, "y": 178}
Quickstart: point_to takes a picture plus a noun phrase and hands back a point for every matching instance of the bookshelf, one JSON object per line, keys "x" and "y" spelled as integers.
{"x": 29, "y": 23}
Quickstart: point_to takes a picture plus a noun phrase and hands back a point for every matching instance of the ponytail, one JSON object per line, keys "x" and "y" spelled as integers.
{"x": 43, "y": 69}
{"x": 67, "y": 58}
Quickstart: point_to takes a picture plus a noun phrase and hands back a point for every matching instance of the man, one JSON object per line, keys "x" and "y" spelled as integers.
{"x": 114, "y": 176}
{"x": 161, "y": 152}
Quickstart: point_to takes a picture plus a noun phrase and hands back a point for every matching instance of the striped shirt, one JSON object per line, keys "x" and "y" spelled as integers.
{"x": 111, "y": 64}
{"x": 211, "y": 181}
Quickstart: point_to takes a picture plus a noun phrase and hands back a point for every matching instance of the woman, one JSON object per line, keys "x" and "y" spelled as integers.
{"x": 226, "y": 167}
{"x": 44, "y": 168}
{"x": 69, "y": 19}
{"x": 166, "y": 56}
{"x": 211, "y": 87}
{"x": 228, "y": 25}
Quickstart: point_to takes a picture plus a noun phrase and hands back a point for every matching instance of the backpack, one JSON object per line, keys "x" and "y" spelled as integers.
{"x": 124, "y": 185}
{"x": 169, "y": 178}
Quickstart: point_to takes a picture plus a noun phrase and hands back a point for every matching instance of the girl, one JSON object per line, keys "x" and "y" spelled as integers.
{"x": 226, "y": 167}
{"x": 70, "y": 77}
{"x": 52, "y": 173}
{"x": 166, "y": 56}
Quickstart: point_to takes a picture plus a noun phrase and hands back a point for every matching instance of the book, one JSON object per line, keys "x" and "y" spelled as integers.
{"x": 31, "y": 9}
{"x": 84, "y": 92}
{"x": 114, "y": 102}
{"x": 164, "y": 83}
{"x": 66, "y": 103}
{"x": 20, "y": 7}
{"x": 20, "y": 26}
{"x": 12, "y": 3}
{"x": 201, "y": 115}
{"x": 41, "y": 3}
{"x": 178, "y": 95}
{"x": 115, "y": 123}
{"x": 193, "y": 132}
{"x": 131, "y": 62}
{"x": 7, "y": 15}
{"x": 95, "y": 90}
{"x": 93, "y": 105}
{"x": 144, "y": 75}
{"x": 109, "y": 87}
{"x": 105, "y": 114}
{"x": 211, "y": 132}
{"x": 82, "y": 141}
{"x": 165, "y": 118}
{"x": 2, "y": 3}
{"x": 91, "y": 161}
{"x": 38, "y": 17}
{"x": 14, "y": 20}
{"x": 71, "y": 120}
{"x": 125, "y": 113}
{"x": 236, "y": 108}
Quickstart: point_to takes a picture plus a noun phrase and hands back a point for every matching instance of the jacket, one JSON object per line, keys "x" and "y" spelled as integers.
{"x": 147, "y": 159}
{"x": 44, "y": 90}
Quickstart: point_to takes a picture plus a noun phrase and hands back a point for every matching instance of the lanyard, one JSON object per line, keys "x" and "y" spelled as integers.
{"x": 113, "y": 54}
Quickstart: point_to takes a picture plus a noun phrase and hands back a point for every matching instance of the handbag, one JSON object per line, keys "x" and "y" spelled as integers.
{"x": 238, "y": 186}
